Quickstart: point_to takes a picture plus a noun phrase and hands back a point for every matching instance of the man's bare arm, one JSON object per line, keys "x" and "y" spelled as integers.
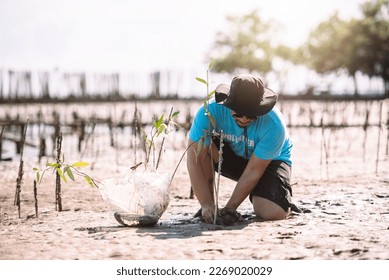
{"x": 250, "y": 177}
{"x": 201, "y": 177}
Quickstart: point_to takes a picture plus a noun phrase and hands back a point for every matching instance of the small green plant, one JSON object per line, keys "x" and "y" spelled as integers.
{"x": 161, "y": 126}
{"x": 212, "y": 121}
{"x": 209, "y": 95}
{"x": 65, "y": 170}
{"x": 210, "y": 132}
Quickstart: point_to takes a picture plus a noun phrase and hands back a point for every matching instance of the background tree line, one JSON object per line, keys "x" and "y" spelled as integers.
{"x": 334, "y": 46}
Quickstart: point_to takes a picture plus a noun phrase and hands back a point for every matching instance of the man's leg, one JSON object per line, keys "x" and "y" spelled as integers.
{"x": 271, "y": 198}
{"x": 268, "y": 210}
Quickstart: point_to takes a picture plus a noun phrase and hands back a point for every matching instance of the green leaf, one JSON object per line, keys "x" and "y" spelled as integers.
{"x": 80, "y": 164}
{"x": 37, "y": 177}
{"x": 199, "y": 145}
{"x": 201, "y": 80}
{"x": 69, "y": 172}
{"x": 60, "y": 173}
{"x": 35, "y": 169}
{"x": 159, "y": 122}
{"x": 210, "y": 94}
{"x": 212, "y": 120}
{"x": 55, "y": 165}
{"x": 42, "y": 175}
{"x": 161, "y": 129}
{"x": 210, "y": 64}
{"x": 175, "y": 114}
{"x": 89, "y": 180}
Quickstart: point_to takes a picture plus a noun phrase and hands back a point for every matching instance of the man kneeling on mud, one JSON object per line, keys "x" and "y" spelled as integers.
{"x": 256, "y": 150}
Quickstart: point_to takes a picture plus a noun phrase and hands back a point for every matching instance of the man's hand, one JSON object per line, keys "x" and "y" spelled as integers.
{"x": 225, "y": 216}
{"x": 230, "y": 216}
{"x": 208, "y": 214}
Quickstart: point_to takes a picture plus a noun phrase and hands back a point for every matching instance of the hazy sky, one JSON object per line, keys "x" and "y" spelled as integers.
{"x": 111, "y": 35}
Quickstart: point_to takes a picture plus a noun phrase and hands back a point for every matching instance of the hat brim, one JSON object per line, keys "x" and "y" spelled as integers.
{"x": 269, "y": 100}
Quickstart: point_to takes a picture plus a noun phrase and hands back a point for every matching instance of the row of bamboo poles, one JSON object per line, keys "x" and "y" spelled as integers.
{"x": 51, "y": 127}
{"x": 26, "y": 85}
{"x": 330, "y": 116}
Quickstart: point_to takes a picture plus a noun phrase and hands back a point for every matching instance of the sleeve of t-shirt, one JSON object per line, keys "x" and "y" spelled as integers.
{"x": 270, "y": 146}
{"x": 199, "y": 127}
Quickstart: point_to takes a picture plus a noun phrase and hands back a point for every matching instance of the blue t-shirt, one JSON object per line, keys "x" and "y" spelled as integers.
{"x": 266, "y": 137}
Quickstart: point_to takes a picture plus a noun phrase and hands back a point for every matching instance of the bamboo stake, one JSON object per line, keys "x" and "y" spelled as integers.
{"x": 36, "y": 199}
{"x": 42, "y": 134}
{"x": 379, "y": 138}
{"x": 321, "y": 148}
{"x": 110, "y": 126}
{"x": 365, "y": 126}
{"x": 1, "y": 141}
{"x": 219, "y": 170}
{"x": 56, "y": 124}
{"x": 324, "y": 148}
{"x": 387, "y": 135}
{"x": 81, "y": 134}
{"x": 58, "y": 198}
{"x": 21, "y": 172}
{"x": 135, "y": 126}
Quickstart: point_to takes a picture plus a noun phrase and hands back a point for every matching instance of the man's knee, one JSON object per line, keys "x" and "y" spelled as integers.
{"x": 268, "y": 210}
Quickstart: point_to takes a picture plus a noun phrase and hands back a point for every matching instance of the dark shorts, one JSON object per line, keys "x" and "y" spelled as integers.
{"x": 274, "y": 184}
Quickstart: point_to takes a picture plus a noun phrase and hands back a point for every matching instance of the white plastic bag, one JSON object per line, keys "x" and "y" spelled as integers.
{"x": 143, "y": 192}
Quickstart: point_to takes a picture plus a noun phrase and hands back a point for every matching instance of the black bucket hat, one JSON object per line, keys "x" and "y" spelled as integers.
{"x": 246, "y": 96}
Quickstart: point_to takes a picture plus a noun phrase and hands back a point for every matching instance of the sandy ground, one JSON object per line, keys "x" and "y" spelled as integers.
{"x": 345, "y": 203}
